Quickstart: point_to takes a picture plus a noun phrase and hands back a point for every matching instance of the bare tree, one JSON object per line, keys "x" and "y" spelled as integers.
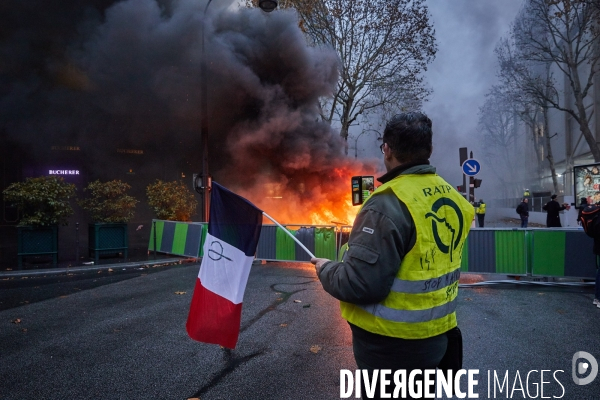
{"x": 526, "y": 85}
{"x": 383, "y": 45}
{"x": 563, "y": 33}
{"x": 497, "y": 124}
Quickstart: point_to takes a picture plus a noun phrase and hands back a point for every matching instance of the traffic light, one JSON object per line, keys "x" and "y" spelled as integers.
{"x": 462, "y": 153}
{"x": 460, "y": 189}
{"x": 362, "y": 188}
{"x": 476, "y": 183}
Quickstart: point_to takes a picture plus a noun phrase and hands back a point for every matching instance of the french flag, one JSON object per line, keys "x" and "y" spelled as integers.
{"x": 233, "y": 232}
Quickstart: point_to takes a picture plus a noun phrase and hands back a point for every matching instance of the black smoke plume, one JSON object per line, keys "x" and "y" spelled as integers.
{"x": 104, "y": 75}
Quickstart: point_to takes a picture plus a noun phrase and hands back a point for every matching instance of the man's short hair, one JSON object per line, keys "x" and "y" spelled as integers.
{"x": 409, "y": 136}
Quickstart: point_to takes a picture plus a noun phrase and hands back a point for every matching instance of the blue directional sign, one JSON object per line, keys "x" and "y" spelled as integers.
{"x": 471, "y": 167}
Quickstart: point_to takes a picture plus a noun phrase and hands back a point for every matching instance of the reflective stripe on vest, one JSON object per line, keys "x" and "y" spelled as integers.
{"x": 426, "y": 285}
{"x": 422, "y": 300}
{"x": 395, "y": 315}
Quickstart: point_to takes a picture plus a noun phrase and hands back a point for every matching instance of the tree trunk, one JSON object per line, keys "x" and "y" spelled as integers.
{"x": 549, "y": 147}
{"x": 344, "y": 135}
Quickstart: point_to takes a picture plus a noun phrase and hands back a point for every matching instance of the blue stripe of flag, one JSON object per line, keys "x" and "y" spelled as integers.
{"x": 234, "y": 220}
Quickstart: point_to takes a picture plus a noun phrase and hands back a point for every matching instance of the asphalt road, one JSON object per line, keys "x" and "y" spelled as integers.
{"x": 126, "y": 340}
{"x": 30, "y": 286}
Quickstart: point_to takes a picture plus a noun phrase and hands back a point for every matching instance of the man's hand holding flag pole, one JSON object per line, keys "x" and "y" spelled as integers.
{"x": 229, "y": 247}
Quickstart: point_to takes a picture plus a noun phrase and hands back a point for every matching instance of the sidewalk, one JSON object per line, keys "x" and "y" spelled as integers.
{"x": 161, "y": 260}
{"x": 73, "y": 251}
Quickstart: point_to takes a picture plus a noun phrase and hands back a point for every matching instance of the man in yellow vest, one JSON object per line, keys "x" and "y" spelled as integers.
{"x": 481, "y": 213}
{"x": 398, "y": 280}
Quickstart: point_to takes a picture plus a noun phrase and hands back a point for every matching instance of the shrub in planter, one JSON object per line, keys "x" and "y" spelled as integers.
{"x": 111, "y": 208}
{"x": 109, "y": 201}
{"x": 172, "y": 201}
{"x": 42, "y": 201}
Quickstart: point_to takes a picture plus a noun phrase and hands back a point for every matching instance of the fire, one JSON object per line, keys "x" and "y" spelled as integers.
{"x": 310, "y": 199}
{"x": 323, "y": 216}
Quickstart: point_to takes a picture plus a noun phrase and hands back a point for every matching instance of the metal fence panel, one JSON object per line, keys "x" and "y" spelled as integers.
{"x": 548, "y": 252}
{"x": 306, "y": 236}
{"x": 266, "y": 249}
{"x": 286, "y": 247}
{"x": 541, "y": 252}
{"x": 511, "y": 252}
{"x": 481, "y": 251}
{"x": 179, "y": 238}
{"x": 325, "y": 243}
{"x": 166, "y": 244}
{"x": 156, "y": 235}
{"x": 580, "y": 260}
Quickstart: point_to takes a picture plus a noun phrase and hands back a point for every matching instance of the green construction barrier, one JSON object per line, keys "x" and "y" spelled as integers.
{"x": 159, "y": 231}
{"x": 537, "y": 252}
{"x": 562, "y": 253}
{"x": 325, "y": 243}
{"x": 549, "y": 253}
{"x": 177, "y": 238}
{"x": 285, "y": 246}
{"x": 511, "y": 252}
{"x": 495, "y": 252}
{"x": 204, "y": 233}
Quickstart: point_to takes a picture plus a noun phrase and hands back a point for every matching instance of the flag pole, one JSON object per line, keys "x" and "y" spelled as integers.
{"x": 292, "y": 236}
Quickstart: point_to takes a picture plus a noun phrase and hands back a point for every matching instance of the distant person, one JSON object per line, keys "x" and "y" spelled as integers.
{"x": 553, "y": 208}
{"x": 523, "y": 211}
{"x": 480, "y": 213}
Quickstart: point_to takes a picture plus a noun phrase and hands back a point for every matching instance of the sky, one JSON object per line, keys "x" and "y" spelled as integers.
{"x": 463, "y": 71}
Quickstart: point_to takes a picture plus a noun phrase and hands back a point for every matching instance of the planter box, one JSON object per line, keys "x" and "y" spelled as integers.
{"x": 107, "y": 238}
{"x": 37, "y": 241}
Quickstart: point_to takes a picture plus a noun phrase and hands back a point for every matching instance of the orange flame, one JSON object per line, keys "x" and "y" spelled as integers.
{"x": 310, "y": 200}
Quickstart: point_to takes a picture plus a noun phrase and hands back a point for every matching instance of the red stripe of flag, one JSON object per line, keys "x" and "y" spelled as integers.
{"x": 215, "y": 319}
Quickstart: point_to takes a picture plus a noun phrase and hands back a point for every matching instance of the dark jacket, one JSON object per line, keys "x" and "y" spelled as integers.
{"x": 523, "y": 210}
{"x": 553, "y": 208}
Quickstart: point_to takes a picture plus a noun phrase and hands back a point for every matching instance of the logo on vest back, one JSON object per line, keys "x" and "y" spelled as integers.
{"x": 447, "y": 229}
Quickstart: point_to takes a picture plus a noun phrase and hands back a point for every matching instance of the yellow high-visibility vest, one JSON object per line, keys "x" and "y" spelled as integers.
{"x": 481, "y": 209}
{"x": 422, "y": 300}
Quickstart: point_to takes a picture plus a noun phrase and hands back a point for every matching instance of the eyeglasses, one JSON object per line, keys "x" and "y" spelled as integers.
{"x": 381, "y": 148}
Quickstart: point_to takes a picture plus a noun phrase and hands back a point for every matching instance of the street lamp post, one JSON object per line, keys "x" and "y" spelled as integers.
{"x": 359, "y": 135}
{"x": 205, "y": 178}
{"x": 356, "y": 145}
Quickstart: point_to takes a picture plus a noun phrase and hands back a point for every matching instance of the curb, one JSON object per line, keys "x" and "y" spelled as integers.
{"x": 65, "y": 270}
